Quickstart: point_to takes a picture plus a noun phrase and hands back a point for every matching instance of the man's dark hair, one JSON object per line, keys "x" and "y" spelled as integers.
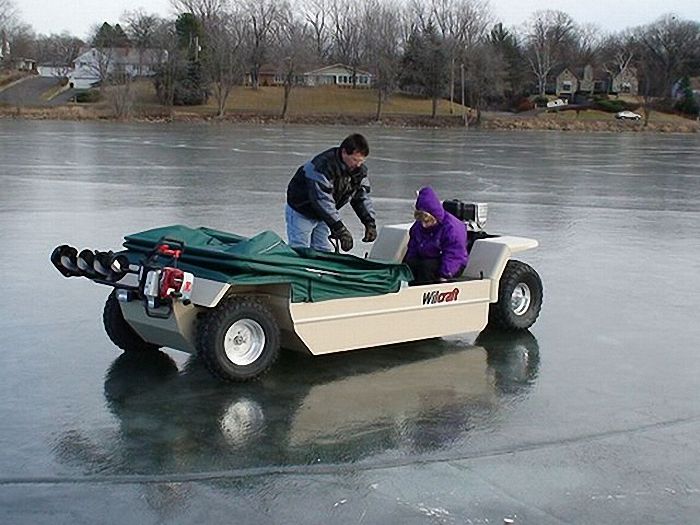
{"x": 355, "y": 143}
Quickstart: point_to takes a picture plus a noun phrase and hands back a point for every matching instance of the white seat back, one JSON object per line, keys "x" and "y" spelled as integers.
{"x": 391, "y": 243}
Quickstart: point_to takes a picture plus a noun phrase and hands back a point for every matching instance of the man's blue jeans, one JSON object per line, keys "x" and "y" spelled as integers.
{"x": 303, "y": 232}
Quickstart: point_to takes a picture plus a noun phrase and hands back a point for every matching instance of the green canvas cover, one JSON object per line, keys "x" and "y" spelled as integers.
{"x": 266, "y": 259}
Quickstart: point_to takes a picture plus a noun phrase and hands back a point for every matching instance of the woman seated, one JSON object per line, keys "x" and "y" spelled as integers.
{"x": 437, "y": 245}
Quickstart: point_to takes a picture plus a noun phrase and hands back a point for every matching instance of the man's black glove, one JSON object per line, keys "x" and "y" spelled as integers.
{"x": 370, "y": 232}
{"x": 340, "y": 232}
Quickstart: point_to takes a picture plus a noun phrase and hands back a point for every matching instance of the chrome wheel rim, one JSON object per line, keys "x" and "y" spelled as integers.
{"x": 244, "y": 342}
{"x": 520, "y": 299}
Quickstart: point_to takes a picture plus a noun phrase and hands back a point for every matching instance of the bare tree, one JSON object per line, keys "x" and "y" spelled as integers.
{"x": 294, "y": 44}
{"x": 347, "y": 36}
{"x": 316, "y": 13}
{"x": 9, "y": 16}
{"x": 204, "y": 10}
{"x": 263, "y": 15}
{"x": 485, "y": 80}
{"x": 585, "y": 43}
{"x": 60, "y": 51}
{"x": 141, "y": 28}
{"x": 225, "y": 61}
{"x": 616, "y": 54}
{"x": 121, "y": 93}
{"x": 546, "y": 34}
{"x": 462, "y": 24}
{"x": 670, "y": 47}
{"x": 21, "y": 38}
{"x": 383, "y": 47}
{"x": 169, "y": 58}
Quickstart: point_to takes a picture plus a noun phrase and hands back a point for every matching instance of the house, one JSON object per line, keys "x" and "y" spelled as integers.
{"x": 590, "y": 80}
{"x": 271, "y": 75}
{"x": 19, "y": 63}
{"x": 23, "y": 64}
{"x": 338, "y": 75}
{"x": 567, "y": 84}
{"x": 593, "y": 80}
{"x": 625, "y": 82}
{"x": 95, "y": 64}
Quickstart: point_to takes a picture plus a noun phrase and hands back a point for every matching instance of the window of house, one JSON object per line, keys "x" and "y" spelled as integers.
{"x": 566, "y": 86}
{"x": 626, "y": 87}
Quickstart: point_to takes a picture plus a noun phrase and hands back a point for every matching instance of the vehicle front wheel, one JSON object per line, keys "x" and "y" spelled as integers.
{"x": 519, "y": 298}
{"x": 239, "y": 340}
{"x": 119, "y": 331}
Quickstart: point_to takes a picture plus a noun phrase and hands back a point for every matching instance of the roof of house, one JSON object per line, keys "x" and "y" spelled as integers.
{"x": 327, "y": 69}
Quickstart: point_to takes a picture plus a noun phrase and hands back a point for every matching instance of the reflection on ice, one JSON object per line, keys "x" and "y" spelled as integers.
{"x": 406, "y": 399}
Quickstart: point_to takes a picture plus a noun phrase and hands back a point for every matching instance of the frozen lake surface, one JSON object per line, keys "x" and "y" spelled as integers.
{"x": 592, "y": 417}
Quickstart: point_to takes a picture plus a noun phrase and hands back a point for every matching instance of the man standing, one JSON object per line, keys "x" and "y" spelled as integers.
{"x": 320, "y": 188}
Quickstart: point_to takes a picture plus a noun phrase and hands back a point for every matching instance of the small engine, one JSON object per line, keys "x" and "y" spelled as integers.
{"x": 473, "y": 213}
{"x": 168, "y": 283}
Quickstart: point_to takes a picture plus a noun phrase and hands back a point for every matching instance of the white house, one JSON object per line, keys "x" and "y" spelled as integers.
{"x": 338, "y": 75}
{"x": 95, "y": 64}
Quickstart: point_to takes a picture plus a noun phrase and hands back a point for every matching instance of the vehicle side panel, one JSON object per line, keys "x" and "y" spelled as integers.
{"x": 412, "y": 313}
{"x": 176, "y": 331}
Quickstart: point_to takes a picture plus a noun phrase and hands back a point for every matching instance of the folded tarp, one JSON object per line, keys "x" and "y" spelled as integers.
{"x": 266, "y": 259}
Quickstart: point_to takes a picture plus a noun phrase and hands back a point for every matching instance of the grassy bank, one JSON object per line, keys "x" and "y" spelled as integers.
{"x": 334, "y": 105}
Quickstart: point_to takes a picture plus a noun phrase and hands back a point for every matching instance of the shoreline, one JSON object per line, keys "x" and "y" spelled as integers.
{"x": 489, "y": 122}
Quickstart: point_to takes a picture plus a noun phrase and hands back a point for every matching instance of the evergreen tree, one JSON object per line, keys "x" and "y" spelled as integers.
{"x": 435, "y": 65}
{"x": 687, "y": 103}
{"x": 183, "y": 82}
{"x": 108, "y": 36}
{"x": 190, "y": 35}
{"x": 506, "y": 45}
{"x": 425, "y": 65}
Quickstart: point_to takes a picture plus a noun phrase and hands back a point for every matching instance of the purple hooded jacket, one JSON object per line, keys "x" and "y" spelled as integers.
{"x": 446, "y": 240}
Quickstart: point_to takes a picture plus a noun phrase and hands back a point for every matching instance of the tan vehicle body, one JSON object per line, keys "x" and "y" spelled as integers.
{"x": 411, "y": 313}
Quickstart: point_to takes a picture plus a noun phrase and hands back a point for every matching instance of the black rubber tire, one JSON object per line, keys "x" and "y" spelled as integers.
{"x": 119, "y": 331}
{"x": 501, "y": 314}
{"x": 211, "y": 333}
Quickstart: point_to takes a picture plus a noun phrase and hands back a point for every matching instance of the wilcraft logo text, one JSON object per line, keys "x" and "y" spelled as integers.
{"x": 436, "y": 296}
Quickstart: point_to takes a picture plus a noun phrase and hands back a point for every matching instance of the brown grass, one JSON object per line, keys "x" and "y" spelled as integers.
{"x": 596, "y": 115}
{"x": 304, "y": 101}
{"x": 607, "y": 123}
{"x": 335, "y": 105}
{"x": 329, "y": 100}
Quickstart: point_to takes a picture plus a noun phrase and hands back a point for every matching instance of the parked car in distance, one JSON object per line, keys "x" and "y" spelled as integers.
{"x": 627, "y": 115}
{"x": 556, "y": 103}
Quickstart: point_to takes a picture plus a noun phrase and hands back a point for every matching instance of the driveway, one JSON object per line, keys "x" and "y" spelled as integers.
{"x": 28, "y": 92}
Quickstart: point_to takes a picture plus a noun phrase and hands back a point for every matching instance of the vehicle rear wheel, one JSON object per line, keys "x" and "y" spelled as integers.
{"x": 239, "y": 340}
{"x": 119, "y": 331}
{"x": 519, "y": 298}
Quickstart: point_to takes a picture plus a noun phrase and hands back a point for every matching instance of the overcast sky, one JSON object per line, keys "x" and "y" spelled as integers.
{"x": 78, "y": 16}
